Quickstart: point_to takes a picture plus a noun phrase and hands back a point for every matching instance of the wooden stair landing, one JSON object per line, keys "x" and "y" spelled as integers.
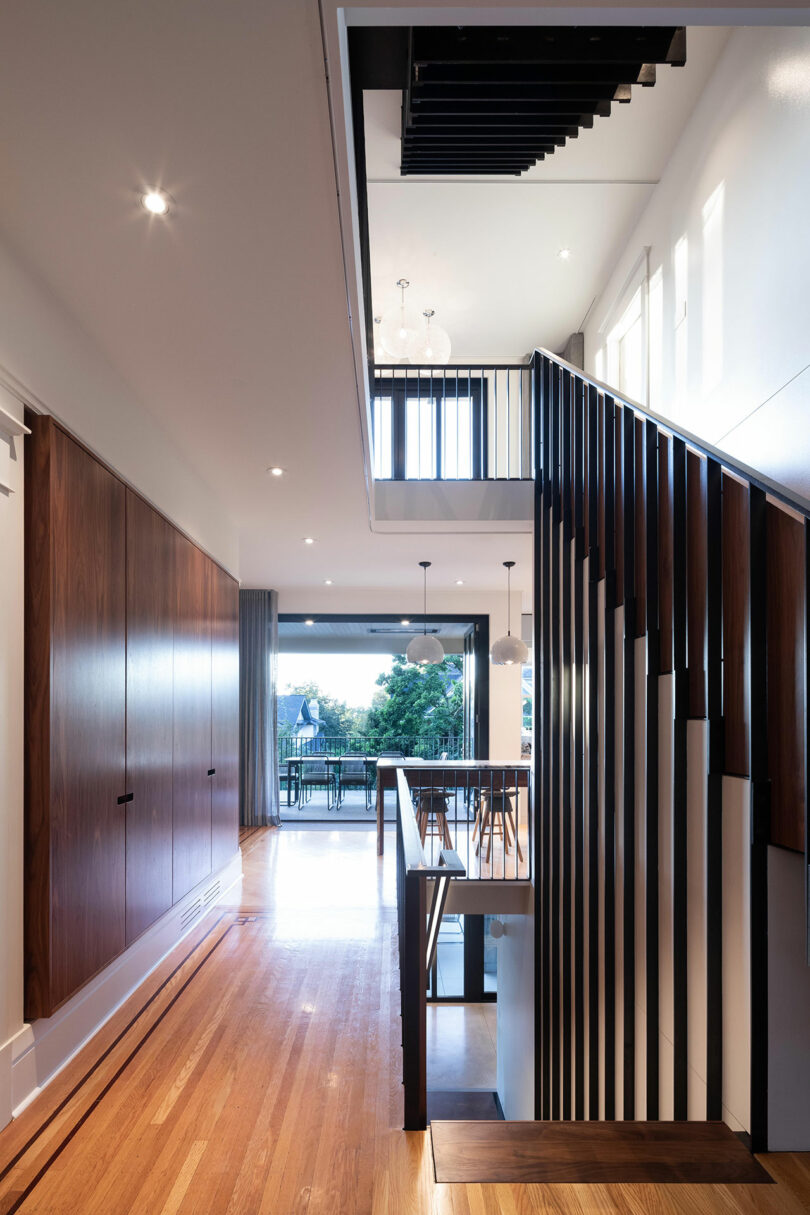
{"x": 602, "y": 1152}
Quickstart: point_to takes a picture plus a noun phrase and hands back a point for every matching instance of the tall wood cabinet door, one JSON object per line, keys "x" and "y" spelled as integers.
{"x": 87, "y": 741}
{"x": 191, "y": 799}
{"x": 224, "y": 717}
{"x": 150, "y": 695}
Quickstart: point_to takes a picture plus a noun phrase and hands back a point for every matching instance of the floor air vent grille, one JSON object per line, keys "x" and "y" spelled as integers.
{"x": 191, "y": 912}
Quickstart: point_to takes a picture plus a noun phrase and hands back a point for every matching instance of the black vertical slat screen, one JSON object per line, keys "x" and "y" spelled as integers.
{"x": 556, "y": 672}
{"x": 680, "y": 537}
{"x": 714, "y": 793}
{"x": 578, "y": 712}
{"x": 609, "y": 793}
{"x": 629, "y": 763}
{"x": 594, "y": 751}
{"x": 652, "y": 769}
{"x": 566, "y": 466}
{"x": 679, "y": 783}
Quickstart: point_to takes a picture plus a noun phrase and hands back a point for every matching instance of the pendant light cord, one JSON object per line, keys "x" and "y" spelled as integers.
{"x": 424, "y": 602}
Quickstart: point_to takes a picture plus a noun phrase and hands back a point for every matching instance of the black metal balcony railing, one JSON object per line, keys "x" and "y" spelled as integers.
{"x": 415, "y": 746}
{"x": 455, "y": 423}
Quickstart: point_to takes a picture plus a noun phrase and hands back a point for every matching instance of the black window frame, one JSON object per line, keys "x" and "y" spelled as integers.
{"x": 439, "y": 388}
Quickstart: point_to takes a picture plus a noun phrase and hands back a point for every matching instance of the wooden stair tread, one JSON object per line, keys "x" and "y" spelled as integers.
{"x": 604, "y": 1152}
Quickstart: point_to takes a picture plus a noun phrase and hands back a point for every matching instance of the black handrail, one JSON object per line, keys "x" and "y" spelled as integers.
{"x": 413, "y": 872}
{"x": 773, "y": 488}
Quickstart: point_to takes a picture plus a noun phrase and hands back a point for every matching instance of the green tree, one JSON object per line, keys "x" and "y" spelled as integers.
{"x": 418, "y": 701}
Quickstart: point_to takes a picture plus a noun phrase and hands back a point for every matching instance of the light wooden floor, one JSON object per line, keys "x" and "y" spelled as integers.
{"x": 258, "y": 1071}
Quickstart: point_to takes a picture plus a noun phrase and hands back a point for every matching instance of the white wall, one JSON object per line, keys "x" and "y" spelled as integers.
{"x": 58, "y": 370}
{"x": 746, "y": 148}
{"x": 48, "y": 361}
{"x": 11, "y": 761}
{"x": 505, "y": 703}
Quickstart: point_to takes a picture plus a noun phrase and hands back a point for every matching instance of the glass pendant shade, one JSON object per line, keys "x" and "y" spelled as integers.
{"x": 433, "y": 343}
{"x": 380, "y": 353}
{"x": 400, "y": 327}
{"x": 424, "y": 648}
{"x": 508, "y": 651}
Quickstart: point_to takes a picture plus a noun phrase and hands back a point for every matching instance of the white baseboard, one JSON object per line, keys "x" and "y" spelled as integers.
{"x": 40, "y": 1050}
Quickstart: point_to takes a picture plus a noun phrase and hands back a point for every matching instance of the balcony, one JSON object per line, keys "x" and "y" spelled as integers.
{"x": 452, "y": 443}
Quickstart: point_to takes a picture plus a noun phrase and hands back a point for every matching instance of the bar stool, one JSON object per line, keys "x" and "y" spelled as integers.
{"x": 495, "y": 813}
{"x": 431, "y": 808}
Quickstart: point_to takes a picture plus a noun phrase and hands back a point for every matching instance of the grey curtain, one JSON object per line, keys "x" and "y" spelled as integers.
{"x": 258, "y": 722}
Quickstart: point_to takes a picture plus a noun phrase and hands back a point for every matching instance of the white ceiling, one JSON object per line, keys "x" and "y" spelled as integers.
{"x": 229, "y": 321}
{"x": 483, "y": 252}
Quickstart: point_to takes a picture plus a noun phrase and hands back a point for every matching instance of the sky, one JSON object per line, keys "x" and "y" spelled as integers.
{"x": 348, "y": 677}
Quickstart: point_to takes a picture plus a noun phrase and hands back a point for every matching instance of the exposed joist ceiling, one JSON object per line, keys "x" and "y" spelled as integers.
{"x": 496, "y": 100}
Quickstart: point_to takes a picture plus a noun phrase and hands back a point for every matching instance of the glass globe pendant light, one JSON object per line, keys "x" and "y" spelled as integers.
{"x": 508, "y": 651}
{"x": 423, "y": 648}
{"x": 433, "y": 344}
{"x": 380, "y": 353}
{"x": 399, "y": 327}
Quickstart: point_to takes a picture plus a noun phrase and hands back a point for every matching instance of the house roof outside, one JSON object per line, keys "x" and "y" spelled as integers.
{"x": 294, "y": 709}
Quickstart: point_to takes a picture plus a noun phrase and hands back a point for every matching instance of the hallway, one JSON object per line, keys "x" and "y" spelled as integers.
{"x": 258, "y": 1071}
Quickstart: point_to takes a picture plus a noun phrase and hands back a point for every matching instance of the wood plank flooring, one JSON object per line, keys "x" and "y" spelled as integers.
{"x": 257, "y": 1072}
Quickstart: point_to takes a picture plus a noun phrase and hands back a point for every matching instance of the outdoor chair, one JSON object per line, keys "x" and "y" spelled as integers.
{"x": 315, "y": 773}
{"x": 288, "y": 780}
{"x": 353, "y": 773}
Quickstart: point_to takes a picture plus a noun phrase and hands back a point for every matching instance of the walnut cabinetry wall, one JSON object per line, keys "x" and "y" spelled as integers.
{"x": 131, "y": 755}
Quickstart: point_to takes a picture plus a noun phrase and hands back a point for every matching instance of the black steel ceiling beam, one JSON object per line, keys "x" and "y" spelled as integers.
{"x": 579, "y": 74}
{"x": 514, "y": 108}
{"x": 571, "y": 96}
{"x": 555, "y": 129}
{"x": 549, "y": 44}
{"x": 479, "y": 130}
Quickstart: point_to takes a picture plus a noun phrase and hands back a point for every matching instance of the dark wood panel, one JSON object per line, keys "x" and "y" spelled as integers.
{"x": 150, "y": 697}
{"x": 786, "y": 691}
{"x": 88, "y": 684}
{"x": 736, "y": 579}
{"x": 37, "y": 762}
{"x": 548, "y": 1153}
{"x": 224, "y": 717}
{"x": 191, "y": 797}
{"x": 665, "y": 553}
{"x": 640, "y": 499}
{"x": 696, "y": 582}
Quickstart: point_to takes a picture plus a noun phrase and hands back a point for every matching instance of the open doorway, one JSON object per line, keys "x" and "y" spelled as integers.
{"x": 347, "y": 695}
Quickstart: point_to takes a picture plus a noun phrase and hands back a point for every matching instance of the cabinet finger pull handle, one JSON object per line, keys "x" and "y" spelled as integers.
{"x": 211, "y": 771}
{"x": 126, "y": 797}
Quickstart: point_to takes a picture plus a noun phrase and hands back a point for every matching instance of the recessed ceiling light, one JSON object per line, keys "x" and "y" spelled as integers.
{"x": 404, "y": 622}
{"x": 275, "y": 471}
{"x": 156, "y": 202}
{"x": 327, "y": 581}
{"x": 309, "y": 539}
{"x": 309, "y": 622}
{"x": 564, "y": 254}
{"x": 459, "y": 582}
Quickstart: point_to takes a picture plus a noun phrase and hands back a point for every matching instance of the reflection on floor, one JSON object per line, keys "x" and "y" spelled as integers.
{"x": 257, "y": 1071}
{"x": 461, "y": 1050}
